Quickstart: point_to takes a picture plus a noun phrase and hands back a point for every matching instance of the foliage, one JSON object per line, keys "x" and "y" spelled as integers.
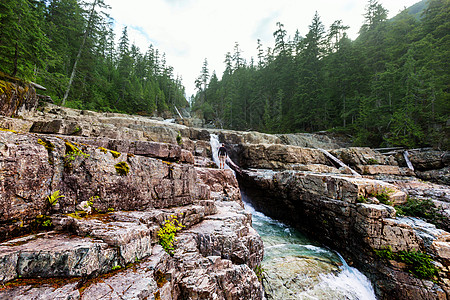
{"x": 424, "y": 209}
{"x": 389, "y": 87}
{"x": 361, "y": 199}
{"x": 372, "y": 161}
{"x": 43, "y": 222}
{"x": 383, "y": 198}
{"x": 167, "y": 232}
{"x": 72, "y": 152}
{"x": 68, "y": 47}
{"x": 179, "y": 139}
{"x": 418, "y": 263}
{"x": 259, "y": 271}
{"x": 122, "y": 168}
{"x": 53, "y": 198}
{"x": 116, "y": 267}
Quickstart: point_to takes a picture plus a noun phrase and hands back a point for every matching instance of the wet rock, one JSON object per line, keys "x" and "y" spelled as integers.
{"x": 32, "y": 167}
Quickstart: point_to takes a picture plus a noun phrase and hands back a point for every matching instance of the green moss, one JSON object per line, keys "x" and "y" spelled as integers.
{"x": 361, "y": 199}
{"x": 43, "y": 222}
{"x": 116, "y": 268}
{"x": 259, "y": 271}
{"x": 71, "y": 153}
{"x": 122, "y": 168}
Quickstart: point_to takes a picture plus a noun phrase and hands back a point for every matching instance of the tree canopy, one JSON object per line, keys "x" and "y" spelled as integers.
{"x": 389, "y": 87}
{"x": 69, "y": 47}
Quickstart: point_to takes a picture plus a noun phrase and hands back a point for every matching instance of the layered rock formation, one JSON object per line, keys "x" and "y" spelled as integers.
{"x": 347, "y": 213}
{"x": 134, "y": 173}
{"x": 132, "y": 186}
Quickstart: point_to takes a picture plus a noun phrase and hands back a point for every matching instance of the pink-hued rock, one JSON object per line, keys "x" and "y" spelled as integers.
{"x": 221, "y": 182}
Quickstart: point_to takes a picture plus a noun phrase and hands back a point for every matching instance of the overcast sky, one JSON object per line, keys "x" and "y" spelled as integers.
{"x": 189, "y": 31}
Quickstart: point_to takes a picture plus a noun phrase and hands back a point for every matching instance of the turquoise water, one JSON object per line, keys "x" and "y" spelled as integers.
{"x": 296, "y": 267}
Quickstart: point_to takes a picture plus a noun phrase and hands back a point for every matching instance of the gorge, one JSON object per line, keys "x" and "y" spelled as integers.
{"x": 136, "y": 173}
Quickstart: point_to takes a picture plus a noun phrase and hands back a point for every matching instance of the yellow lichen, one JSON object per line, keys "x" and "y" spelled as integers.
{"x": 122, "y": 168}
{"x": 47, "y": 144}
{"x": 8, "y": 130}
{"x": 115, "y": 154}
{"x": 103, "y": 149}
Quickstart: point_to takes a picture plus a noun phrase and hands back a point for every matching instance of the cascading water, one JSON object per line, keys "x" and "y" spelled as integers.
{"x": 215, "y": 144}
{"x": 296, "y": 267}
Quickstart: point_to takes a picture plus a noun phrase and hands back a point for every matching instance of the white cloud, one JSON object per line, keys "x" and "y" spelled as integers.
{"x": 189, "y": 31}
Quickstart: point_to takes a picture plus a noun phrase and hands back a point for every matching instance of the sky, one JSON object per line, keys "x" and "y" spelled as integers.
{"x": 189, "y": 31}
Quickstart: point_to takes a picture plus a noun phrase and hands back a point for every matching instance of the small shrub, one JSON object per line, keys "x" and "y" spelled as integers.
{"x": 122, "y": 168}
{"x": 383, "y": 198}
{"x": 361, "y": 199}
{"x": 417, "y": 263}
{"x": 167, "y": 232}
{"x": 53, "y": 198}
{"x": 117, "y": 267}
{"x": 385, "y": 253}
{"x": 259, "y": 271}
{"x": 179, "y": 139}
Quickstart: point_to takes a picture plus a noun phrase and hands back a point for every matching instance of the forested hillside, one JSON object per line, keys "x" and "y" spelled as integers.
{"x": 389, "y": 87}
{"x": 68, "y": 46}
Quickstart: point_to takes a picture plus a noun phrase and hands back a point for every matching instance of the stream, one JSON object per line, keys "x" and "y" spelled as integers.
{"x": 295, "y": 267}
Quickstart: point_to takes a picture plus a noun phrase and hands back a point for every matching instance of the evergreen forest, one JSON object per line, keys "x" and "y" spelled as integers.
{"x": 68, "y": 46}
{"x": 389, "y": 87}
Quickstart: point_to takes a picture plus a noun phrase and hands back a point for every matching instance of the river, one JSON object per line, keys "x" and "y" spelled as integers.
{"x": 295, "y": 267}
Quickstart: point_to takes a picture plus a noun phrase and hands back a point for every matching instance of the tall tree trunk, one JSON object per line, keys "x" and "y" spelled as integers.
{"x": 86, "y": 33}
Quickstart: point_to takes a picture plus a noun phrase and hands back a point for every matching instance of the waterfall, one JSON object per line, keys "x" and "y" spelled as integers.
{"x": 215, "y": 144}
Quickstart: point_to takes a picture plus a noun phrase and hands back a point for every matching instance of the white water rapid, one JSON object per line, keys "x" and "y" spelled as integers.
{"x": 296, "y": 267}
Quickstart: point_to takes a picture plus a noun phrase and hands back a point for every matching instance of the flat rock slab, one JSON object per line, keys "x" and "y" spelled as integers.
{"x": 54, "y": 255}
